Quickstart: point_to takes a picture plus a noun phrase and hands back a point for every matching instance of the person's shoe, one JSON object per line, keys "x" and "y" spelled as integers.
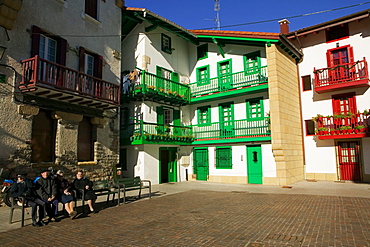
{"x": 35, "y": 224}
{"x": 92, "y": 211}
{"x": 42, "y": 223}
{"x": 73, "y": 215}
{"x": 53, "y": 219}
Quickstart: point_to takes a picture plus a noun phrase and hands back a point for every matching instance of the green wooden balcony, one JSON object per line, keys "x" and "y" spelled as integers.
{"x": 244, "y": 81}
{"x": 157, "y": 88}
{"x": 142, "y": 132}
{"x": 237, "y": 130}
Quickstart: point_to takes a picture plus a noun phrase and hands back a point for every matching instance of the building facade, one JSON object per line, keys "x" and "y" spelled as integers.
{"x": 60, "y": 87}
{"x": 218, "y": 106}
{"x": 335, "y": 97}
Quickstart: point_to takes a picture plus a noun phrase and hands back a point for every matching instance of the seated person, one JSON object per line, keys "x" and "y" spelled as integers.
{"x": 82, "y": 183}
{"x": 65, "y": 194}
{"x": 46, "y": 189}
{"x": 23, "y": 188}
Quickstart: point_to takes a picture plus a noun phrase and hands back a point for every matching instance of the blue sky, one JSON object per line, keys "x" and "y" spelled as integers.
{"x": 193, "y": 14}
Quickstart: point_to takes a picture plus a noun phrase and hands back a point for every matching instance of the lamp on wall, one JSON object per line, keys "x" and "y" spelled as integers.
{"x": 2, "y": 51}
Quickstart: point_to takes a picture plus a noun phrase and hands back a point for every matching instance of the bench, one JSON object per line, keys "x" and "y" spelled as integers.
{"x": 128, "y": 184}
{"x": 101, "y": 188}
{"x": 15, "y": 205}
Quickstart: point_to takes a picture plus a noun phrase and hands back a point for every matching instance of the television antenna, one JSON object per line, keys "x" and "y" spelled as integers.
{"x": 217, "y": 18}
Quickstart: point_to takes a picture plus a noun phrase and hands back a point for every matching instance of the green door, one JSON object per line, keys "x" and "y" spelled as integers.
{"x": 226, "y": 120}
{"x": 201, "y": 166}
{"x": 167, "y": 165}
{"x": 254, "y": 154}
{"x": 224, "y": 75}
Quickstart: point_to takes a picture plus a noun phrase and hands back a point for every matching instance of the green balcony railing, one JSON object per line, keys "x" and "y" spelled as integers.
{"x": 141, "y": 130}
{"x": 232, "y": 81}
{"x": 232, "y": 129}
{"x": 159, "y": 88}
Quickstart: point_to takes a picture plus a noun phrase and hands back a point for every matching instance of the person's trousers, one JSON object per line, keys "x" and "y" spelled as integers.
{"x": 34, "y": 204}
{"x": 51, "y": 207}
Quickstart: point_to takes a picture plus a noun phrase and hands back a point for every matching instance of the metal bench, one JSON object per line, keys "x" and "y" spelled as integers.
{"x": 128, "y": 184}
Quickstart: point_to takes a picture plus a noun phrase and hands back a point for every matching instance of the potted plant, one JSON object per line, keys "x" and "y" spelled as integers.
{"x": 366, "y": 112}
{"x": 344, "y": 129}
{"x": 359, "y": 128}
{"x": 322, "y": 130}
{"x": 317, "y": 118}
{"x": 333, "y": 131}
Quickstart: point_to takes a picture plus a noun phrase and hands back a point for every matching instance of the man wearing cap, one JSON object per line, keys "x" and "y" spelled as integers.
{"x": 23, "y": 190}
{"x": 46, "y": 189}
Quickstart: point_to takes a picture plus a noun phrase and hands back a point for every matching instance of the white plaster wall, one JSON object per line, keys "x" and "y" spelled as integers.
{"x": 320, "y": 155}
{"x": 151, "y": 163}
{"x": 268, "y": 161}
{"x": 366, "y": 154}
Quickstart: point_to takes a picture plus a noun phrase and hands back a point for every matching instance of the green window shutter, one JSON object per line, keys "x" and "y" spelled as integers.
{"x": 159, "y": 71}
{"x": 176, "y": 118}
{"x": 224, "y": 158}
{"x": 204, "y": 115}
{"x": 160, "y": 119}
{"x": 175, "y": 77}
{"x": 252, "y": 62}
{"x": 255, "y": 109}
{"x": 203, "y": 75}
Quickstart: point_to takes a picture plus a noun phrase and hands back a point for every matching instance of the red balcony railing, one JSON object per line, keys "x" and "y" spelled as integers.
{"x": 38, "y": 72}
{"x": 343, "y": 126}
{"x": 342, "y": 76}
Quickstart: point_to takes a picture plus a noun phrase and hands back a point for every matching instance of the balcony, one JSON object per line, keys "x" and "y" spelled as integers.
{"x": 343, "y": 126}
{"x": 45, "y": 79}
{"x": 228, "y": 86}
{"x": 142, "y": 132}
{"x": 343, "y": 76}
{"x": 160, "y": 89}
{"x": 233, "y": 131}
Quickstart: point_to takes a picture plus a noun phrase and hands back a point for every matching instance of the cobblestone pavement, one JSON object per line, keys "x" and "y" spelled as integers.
{"x": 206, "y": 214}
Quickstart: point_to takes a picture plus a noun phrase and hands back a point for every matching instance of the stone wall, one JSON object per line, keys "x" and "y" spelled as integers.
{"x": 286, "y": 126}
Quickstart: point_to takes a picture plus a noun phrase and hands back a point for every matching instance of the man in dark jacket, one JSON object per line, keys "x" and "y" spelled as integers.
{"x": 46, "y": 189}
{"x": 23, "y": 190}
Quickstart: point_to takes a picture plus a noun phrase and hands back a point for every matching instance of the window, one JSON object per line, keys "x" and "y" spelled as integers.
{"x": 224, "y": 158}
{"x": 48, "y": 46}
{"x": 255, "y": 108}
{"x": 91, "y": 63}
{"x": 204, "y": 115}
{"x": 91, "y": 8}
{"x": 167, "y": 116}
{"x": 166, "y": 44}
{"x": 202, "y": 51}
{"x": 252, "y": 62}
{"x": 306, "y": 82}
{"x": 345, "y": 103}
{"x": 310, "y": 127}
{"x": 337, "y": 32}
{"x": 203, "y": 75}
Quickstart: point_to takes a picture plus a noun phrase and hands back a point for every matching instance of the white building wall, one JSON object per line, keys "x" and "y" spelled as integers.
{"x": 320, "y": 155}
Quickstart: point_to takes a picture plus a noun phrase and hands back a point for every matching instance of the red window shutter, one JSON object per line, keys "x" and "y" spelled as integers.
{"x": 336, "y": 105}
{"x": 329, "y": 58}
{"x": 82, "y": 59}
{"x": 62, "y": 51}
{"x": 36, "y": 31}
{"x": 350, "y": 54}
{"x": 352, "y": 104}
{"x": 99, "y": 67}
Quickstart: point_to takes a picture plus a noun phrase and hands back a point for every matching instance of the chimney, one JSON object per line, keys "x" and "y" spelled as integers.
{"x": 284, "y": 26}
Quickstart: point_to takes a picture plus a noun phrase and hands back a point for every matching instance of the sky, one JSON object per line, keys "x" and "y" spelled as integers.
{"x": 200, "y": 14}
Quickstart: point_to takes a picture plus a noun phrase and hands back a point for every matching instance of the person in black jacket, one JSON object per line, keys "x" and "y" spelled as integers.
{"x": 46, "y": 189}
{"x": 23, "y": 190}
{"x": 82, "y": 183}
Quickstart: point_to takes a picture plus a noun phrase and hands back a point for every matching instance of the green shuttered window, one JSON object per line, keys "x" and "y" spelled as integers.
{"x": 224, "y": 158}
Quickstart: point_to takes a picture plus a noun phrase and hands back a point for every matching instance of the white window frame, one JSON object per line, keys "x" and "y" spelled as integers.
{"x": 45, "y": 53}
{"x": 167, "y": 116}
{"x": 87, "y": 64}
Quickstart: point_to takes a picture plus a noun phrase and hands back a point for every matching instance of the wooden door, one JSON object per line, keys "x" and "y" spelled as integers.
{"x": 201, "y": 164}
{"x": 254, "y": 165}
{"x": 349, "y": 164}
